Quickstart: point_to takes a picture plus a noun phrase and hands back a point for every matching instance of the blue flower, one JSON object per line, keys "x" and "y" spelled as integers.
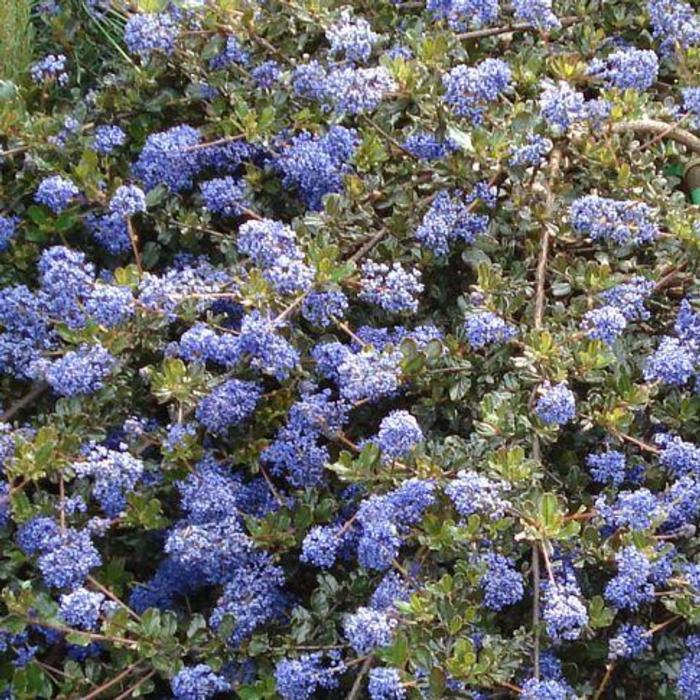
{"x": 606, "y": 324}
{"x": 231, "y": 403}
{"x": 198, "y": 683}
{"x": 469, "y": 89}
{"x": 627, "y": 68}
{"x": 398, "y": 434}
{"x": 486, "y": 328}
{"x": 556, "y": 405}
{"x": 501, "y": 583}
{"x": 127, "y": 201}
{"x": 56, "y": 192}
{"x": 147, "y": 33}
{"x": 368, "y": 629}
{"x": 385, "y": 684}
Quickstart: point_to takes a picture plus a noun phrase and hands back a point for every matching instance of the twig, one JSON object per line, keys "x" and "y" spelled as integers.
{"x": 117, "y": 679}
{"x": 209, "y": 144}
{"x": 271, "y": 486}
{"x": 32, "y": 395}
{"x": 134, "y": 245}
{"x": 134, "y": 687}
{"x": 388, "y": 136}
{"x": 639, "y": 443}
{"x": 355, "y": 690}
{"x": 652, "y": 126}
{"x": 604, "y": 681}
{"x": 509, "y": 29}
{"x": 113, "y": 597}
{"x": 540, "y": 282}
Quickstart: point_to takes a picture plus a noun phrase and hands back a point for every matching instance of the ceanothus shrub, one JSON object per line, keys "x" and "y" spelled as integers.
{"x": 351, "y": 350}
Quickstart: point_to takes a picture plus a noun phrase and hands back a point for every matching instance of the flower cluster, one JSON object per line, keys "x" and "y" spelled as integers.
{"x": 470, "y": 89}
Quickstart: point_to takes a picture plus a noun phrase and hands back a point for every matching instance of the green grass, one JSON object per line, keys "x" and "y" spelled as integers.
{"x": 15, "y": 39}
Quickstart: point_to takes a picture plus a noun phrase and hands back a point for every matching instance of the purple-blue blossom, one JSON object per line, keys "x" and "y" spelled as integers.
{"x": 229, "y": 404}
{"x": 198, "y": 683}
{"x": 606, "y": 324}
{"x": 392, "y": 288}
{"x": 539, "y": 13}
{"x": 367, "y": 630}
{"x": 501, "y": 583}
{"x": 127, "y": 201}
{"x": 51, "y": 67}
{"x": 627, "y": 68}
{"x": 351, "y": 37}
{"x": 145, "y": 34}
{"x": 398, "y": 435}
{"x": 470, "y": 89}
{"x": 224, "y": 195}
{"x": 385, "y": 684}
{"x": 108, "y": 137}
{"x": 486, "y": 328}
{"x": 81, "y": 608}
{"x": 79, "y": 372}
{"x": 615, "y": 221}
{"x": 56, "y": 192}
{"x": 556, "y": 405}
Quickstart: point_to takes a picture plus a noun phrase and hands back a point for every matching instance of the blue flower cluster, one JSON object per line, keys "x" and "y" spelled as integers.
{"x": 197, "y": 683}
{"x": 627, "y": 68}
{"x": 56, "y": 192}
{"x": 299, "y": 679}
{"x": 606, "y": 324}
{"x": 532, "y": 153}
{"x": 630, "y": 642}
{"x": 564, "y": 613}
{"x": 114, "y": 473}
{"x": 450, "y": 218}
{"x": 616, "y": 221}
{"x": 562, "y": 107}
{"x": 108, "y": 138}
{"x": 556, "y": 405}
{"x": 470, "y": 89}
{"x": 607, "y": 467}
{"x": 462, "y": 14}
{"x": 501, "y": 583}
{"x": 392, "y": 288}
{"x": 536, "y": 12}
{"x": 398, "y": 434}
{"x": 351, "y": 37}
{"x": 81, "y": 608}
{"x": 630, "y": 587}
{"x": 385, "y": 684}
{"x": 224, "y": 196}
{"x": 49, "y": 69}
{"x": 674, "y": 22}
{"x": 368, "y": 629}
{"x": 127, "y": 201}
{"x": 229, "y": 404}
{"x": 486, "y": 328}
{"x": 472, "y": 492}
{"x": 316, "y": 165}
{"x": 146, "y": 34}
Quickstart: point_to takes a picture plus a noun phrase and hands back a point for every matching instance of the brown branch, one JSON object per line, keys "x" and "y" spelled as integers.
{"x": 135, "y": 686}
{"x": 511, "y": 28}
{"x": 32, "y": 395}
{"x": 604, "y": 681}
{"x": 655, "y": 127}
{"x": 117, "y": 679}
{"x": 134, "y": 245}
{"x": 357, "y": 685}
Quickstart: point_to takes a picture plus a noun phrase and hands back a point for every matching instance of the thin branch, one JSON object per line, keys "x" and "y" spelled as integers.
{"x": 511, "y": 28}
{"x": 117, "y": 679}
{"x": 357, "y": 685}
{"x": 645, "y": 446}
{"x": 654, "y": 127}
{"x": 604, "y": 681}
{"x": 113, "y": 597}
{"x": 134, "y": 245}
{"x": 210, "y": 144}
{"x": 134, "y": 687}
{"x": 32, "y": 395}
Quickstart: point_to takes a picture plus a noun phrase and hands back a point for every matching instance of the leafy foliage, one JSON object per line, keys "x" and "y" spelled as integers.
{"x": 349, "y": 351}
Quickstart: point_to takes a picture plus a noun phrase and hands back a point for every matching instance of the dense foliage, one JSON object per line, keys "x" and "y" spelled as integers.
{"x": 350, "y": 351}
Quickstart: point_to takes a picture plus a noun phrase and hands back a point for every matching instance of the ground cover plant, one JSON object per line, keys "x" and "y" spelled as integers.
{"x": 350, "y": 350}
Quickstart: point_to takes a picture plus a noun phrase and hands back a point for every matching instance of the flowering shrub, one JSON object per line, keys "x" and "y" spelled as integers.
{"x": 351, "y": 350}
